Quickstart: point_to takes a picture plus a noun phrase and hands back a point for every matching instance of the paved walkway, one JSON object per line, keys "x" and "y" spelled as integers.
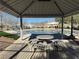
{"x": 5, "y": 42}
{"x": 13, "y": 48}
{"x": 67, "y": 50}
{"x": 70, "y": 51}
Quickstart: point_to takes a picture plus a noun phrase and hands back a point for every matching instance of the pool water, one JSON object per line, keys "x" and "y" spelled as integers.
{"x": 42, "y": 31}
{"x": 67, "y": 32}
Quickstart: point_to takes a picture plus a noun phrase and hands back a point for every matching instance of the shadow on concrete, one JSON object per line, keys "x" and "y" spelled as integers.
{"x": 65, "y": 53}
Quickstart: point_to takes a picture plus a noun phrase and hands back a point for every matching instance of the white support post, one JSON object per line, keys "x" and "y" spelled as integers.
{"x": 21, "y": 28}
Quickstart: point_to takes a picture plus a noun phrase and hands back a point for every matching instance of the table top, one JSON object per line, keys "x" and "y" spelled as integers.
{"x": 45, "y": 37}
{"x": 65, "y": 41}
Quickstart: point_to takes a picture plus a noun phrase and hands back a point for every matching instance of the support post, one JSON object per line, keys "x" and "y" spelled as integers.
{"x": 21, "y": 24}
{"x": 62, "y": 13}
{"x": 71, "y": 25}
{"x": 72, "y": 36}
{"x": 62, "y": 28}
{"x": 21, "y": 28}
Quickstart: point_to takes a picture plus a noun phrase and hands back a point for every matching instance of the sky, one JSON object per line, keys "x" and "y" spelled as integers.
{"x": 38, "y": 19}
{"x": 30, "y": 19}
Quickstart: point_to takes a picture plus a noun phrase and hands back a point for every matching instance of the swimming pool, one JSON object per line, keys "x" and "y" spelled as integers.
{"x": 42, "y": 31}
{"x": 66, "y": 31}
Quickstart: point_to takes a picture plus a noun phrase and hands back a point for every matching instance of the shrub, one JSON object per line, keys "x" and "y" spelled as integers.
{"x": 14, "y": 36}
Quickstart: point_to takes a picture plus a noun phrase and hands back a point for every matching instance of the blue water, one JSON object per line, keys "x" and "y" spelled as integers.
{"x": 42, "y": 31}
{"x": 50, "y": 31}
{"x": 57, "y": 31}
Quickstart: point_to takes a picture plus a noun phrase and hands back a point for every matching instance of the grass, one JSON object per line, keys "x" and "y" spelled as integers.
{"x": 14, "y": 36}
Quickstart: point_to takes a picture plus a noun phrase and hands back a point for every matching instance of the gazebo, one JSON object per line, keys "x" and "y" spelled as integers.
{"x": 41, "y": 8}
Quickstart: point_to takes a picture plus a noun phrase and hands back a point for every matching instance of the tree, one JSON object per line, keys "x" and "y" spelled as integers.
{"x": 8, "y": 20}
{"x": 67, "y": 20}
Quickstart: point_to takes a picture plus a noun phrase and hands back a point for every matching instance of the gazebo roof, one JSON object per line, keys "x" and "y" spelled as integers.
{"x": 40, "y": 8}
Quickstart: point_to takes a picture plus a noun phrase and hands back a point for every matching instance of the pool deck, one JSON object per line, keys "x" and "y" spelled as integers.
{"x": 14, "y": 48}
{"x": 26, "y": 50}
{"x": 69, "y": 50}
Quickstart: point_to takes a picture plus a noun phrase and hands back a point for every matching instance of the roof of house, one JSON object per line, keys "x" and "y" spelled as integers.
{"x": 40, "y": 8}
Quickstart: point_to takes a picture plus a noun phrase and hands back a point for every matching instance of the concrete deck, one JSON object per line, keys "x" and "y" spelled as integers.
{"x": 68, "y": 49}
{"x": 13, "y": 48}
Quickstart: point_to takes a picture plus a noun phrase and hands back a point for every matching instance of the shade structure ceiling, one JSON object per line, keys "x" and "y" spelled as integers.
{"x": 40, "y": 8}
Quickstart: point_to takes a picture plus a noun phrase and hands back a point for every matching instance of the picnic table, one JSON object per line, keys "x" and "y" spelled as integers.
{"x": 45, "y": 37}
